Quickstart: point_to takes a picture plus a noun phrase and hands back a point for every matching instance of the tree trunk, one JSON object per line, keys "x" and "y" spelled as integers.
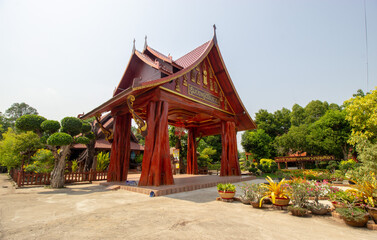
{"x": 229, "y": 156}
{"x": 345, "y": 150}
{"x": 90, "y": 156}
{"x": 120, "y": 149}
{"x": 156, "y": 166}
{"x": 57, "y": 174}
{"x": 192, "y": 159}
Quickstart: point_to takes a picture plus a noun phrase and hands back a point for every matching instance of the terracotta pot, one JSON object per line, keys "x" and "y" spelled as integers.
{"x": 245, "y": 201}
{"x": 226, "y": 195}
{"x": 373, "y": 213}
{"x": 299, "y": 212}
{"x": 361, "y": 223}
{"x": 321, "y": 211}
{"x": 281, "y": 201}
{"x": 256, "y": 204}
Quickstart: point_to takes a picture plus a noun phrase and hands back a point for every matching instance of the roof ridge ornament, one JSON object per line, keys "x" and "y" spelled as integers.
{"x": 214, "y": 34}
{"x": 134, "y": 48}
{"x": 145, "y": 43}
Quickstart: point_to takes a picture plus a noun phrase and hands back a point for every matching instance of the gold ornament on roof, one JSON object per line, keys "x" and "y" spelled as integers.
{"x": 205, "y": 82}
{"x": 198, "y": 80}
{"x": 177, "y": 85}
{"x": 184, "y": 80}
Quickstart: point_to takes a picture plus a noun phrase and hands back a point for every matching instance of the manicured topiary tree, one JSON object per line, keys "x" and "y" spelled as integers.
{"x": 58, "y": 137}
{"x": 30, "y": 123}
{"x": 70, "y": 127}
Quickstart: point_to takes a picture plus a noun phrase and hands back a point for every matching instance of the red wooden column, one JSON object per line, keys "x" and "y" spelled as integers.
{"x": 192, "y": 159}
{"x": 229, "y": 156}
{"x": 156, "y": 166}
{"x": 120, "y": 149}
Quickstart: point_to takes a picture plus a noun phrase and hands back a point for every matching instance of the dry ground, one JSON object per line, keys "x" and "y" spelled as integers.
{"x": 89, "y": 211}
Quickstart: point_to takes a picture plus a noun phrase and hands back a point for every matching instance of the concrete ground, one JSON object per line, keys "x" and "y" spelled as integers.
{"x": 89, "y": 211}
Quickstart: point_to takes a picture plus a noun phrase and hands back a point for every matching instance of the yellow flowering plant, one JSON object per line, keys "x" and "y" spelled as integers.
{"x": 275, "y": 190}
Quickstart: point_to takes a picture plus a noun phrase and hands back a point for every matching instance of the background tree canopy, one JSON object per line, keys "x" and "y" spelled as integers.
{"x": 319, "y": 128}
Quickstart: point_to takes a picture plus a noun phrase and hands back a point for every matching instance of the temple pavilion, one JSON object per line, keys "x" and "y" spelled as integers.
{"x": 194, "y": 92}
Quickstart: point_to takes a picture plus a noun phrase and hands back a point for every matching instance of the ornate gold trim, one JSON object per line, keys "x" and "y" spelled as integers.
{"x": 197, "y": 101}
{"x": 109, "y": 135}
{"x": 142, "y": 126}
{"x": 218, "y": 85}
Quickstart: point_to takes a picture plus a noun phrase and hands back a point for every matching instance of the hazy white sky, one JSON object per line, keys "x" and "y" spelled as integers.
{"x": 66, "y": 57}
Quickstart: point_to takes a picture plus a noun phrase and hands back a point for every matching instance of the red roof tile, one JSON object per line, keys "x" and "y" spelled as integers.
{"x": 192, "y": 56}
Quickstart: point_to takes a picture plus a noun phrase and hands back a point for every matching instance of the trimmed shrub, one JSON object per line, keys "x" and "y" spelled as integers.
{"x": 86, "y": 127}
{"x": 60, "y": 139}
{"x": 71, "y": 125}
{"x": 90, "y": 135}
{"x": 50, "y": 126}
{"x": 82, "y": 140}
{"x": 30, "y": 122}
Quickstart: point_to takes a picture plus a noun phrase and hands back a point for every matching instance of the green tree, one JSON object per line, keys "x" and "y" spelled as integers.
{"x": 17, "y": 110}
{"x": 329, "y": 135}
{"x": 362, "y": 115}
{"x": 16, "y": 148}
{"x": 274, "y": 124}
{"x": 58, "y": 142}
{"x": 206, "y": 157}
{"x": 314, "y": 110}
{"x": 258, "y": 142}
{"x": 298, "y": 115}
{"x": 213, "y": 142}
{"x": 293, "y": 141}
{"x": 138, "y": 135}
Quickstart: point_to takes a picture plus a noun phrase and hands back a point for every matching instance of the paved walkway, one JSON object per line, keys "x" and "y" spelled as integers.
{"x": 88, "y": 211}
{"x": 182, "y": 183}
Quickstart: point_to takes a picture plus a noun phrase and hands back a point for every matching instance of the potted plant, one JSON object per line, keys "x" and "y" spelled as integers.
{"x": 257, "y": 192}
{"x": 226, "y": 190}
{"x": 246, "y": 193}
{"x": 337, "y": 177}
{"x": 353, "y": 215}
{"x": 317, "y": 190}
{"x": 299, "y": 197}
{"x": 277, "y": 192}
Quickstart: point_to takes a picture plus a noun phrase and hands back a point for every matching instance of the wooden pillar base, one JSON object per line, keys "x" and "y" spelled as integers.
{"x": 192, "y": 159}
{"x": 229, "y": 156}
{"x": 156, "y": 166}
{"x": 120, "y": 149}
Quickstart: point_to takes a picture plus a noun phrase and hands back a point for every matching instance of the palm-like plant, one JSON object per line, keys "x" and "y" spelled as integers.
{"x": 275, "y": 190}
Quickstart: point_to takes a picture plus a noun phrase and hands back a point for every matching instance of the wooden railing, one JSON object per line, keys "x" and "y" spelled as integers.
{"x": 25, "y": 178}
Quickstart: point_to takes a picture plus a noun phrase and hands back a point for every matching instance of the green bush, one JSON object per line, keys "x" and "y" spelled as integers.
{"x": 103, "y": 160}
{"x": 75, "y": 165}
{"x": 86, "y": 127}
{"x": 90, "y": 135}
{"x": 71, "y": 125}
{"x": 332, "y": 165}
{"x": 60, "y": 139}
{"x": 347, "y": 165}
{"x": 30, "y": 123}
{"x": 82, "y": 140}
{"x": 268, "y": 165}
{"x": 139, "y": 158}
{"x": 43, "y": 162}
{"x": 50, "y": 126}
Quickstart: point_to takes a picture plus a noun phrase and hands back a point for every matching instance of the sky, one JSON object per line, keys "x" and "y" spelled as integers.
{"x": 66, "y": 57}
